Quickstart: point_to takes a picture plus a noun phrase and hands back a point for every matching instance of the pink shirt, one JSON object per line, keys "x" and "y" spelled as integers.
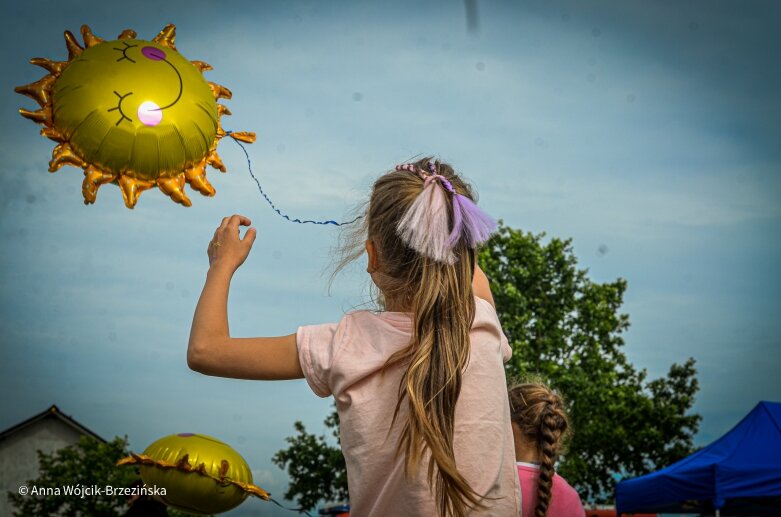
{"x": 565, "y": 502}
{"x": 345, "y": 360}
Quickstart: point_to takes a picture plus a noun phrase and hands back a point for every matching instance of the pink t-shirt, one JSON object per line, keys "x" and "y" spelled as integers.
{"x": 564, "y": 502}
{"x": 346, "y": 359}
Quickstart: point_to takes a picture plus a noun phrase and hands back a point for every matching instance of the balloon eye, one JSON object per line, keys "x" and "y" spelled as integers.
{"x": 153, "y": 53}
{"x": 150, "y": 113}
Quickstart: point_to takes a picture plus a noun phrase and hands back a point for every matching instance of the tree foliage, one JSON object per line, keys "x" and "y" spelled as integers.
{"x": 568, "y": 330}
{"x": 87, "y": 463}
{"x": 316, "y": 468}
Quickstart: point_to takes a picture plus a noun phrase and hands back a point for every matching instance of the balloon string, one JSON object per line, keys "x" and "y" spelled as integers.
{"x": 299, "y": 510}
{"x": 271, "y": 203}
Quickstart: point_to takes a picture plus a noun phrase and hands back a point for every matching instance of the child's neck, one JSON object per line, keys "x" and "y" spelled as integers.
{"x": 394, "y": 305}
{"x": 527, "y": 456}
{"x": 525, "y": 450}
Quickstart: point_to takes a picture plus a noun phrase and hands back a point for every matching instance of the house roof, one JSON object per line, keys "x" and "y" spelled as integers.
{"x": 52, "y": 412}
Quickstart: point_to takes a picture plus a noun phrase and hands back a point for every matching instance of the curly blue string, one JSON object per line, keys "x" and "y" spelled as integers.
{"x": 299, "y": 510}
{"x": 271, "y": 203}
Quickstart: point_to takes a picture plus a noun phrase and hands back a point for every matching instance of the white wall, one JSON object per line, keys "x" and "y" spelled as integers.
{"x": 18, "y": 458}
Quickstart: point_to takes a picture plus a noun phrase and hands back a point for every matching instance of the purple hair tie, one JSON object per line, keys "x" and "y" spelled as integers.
{"x": 424, "y": 226}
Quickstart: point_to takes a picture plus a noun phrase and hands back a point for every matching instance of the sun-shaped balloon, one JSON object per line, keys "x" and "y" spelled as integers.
{"x": 131, "y": 112}
{"x": 200, "y": 474}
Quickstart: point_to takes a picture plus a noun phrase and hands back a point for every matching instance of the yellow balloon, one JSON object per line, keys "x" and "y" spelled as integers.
{"x": 131, "y": 112}
{"x": 200, "y": 474}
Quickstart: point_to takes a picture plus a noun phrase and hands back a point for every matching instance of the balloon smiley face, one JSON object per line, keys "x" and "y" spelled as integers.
{"x": 132, "y": 112}
{"x": 149, "y": 113}
{"x": 122, "y": 102}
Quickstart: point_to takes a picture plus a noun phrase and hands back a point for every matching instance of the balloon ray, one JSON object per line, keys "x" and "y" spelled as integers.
{"x": 93, "y": 179}
{"x": 39, "y": 91}
{"x": 127, "y": 34}
{"x": 223, "y": 110}
{"x": 183, "y": 464}
{"x": 167, "y": 36}
{"x": 41, "y": 116}
{"x": 243, "y": 136}
{"x": 132, "y": 188}
{"x": 215, "y": 161}
{"x": 219, "y": 91}
{"x": 52, "y": 134}
{"x": 174, "y": 188}
{"x": 220, "y": 132}
{"x": 54, "y": 67}
{"x": 63, "y": 154}
{"x": 202, "y": 66}
{"x": 196, "y": 177}
{"x": 90, "y": 40}
{"x": 74, "y": 49}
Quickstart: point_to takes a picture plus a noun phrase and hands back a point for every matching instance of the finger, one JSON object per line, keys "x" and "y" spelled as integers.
{"x": 237, "y": 220}
{"x": 224, "y": 223}
{"x": 250, "y": 237}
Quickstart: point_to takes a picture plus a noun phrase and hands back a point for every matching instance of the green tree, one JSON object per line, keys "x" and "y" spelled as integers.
{"x": 568, "y": 330}
{"x": 316, "y": 468}
{"x": 87, "y": 463}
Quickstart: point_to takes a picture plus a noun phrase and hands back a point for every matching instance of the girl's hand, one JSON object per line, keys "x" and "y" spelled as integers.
{"x": 227, "y": 249}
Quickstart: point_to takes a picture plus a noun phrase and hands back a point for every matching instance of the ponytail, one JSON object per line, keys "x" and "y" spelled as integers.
{"x": 443, "y": 309}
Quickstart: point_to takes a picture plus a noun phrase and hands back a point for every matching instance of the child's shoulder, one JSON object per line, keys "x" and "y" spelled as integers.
{"x": 563, "y": 482}
{"x": 374, "y": 321}
{"x": 562, "y": 487}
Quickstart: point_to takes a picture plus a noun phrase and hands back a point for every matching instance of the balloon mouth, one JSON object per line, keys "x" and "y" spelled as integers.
{"x": 150, "y": 113}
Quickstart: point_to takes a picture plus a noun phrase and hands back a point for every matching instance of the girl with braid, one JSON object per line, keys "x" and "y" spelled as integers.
{"x": 419, "y": 385}
{"x": 539, "y": 425}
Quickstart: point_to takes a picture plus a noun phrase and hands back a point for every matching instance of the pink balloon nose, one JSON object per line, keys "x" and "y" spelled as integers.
{"x": 153, "y": 53}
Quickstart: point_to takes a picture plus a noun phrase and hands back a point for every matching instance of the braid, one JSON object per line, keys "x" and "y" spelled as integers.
{"x": 539, "y": 413}
{"x": 549, "y": 437}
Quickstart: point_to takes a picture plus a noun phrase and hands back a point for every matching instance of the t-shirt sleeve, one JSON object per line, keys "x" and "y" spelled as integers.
{"x": 317, "y": 345}
{"x": 507, "y": 351}
{"x": 569, "y": 501}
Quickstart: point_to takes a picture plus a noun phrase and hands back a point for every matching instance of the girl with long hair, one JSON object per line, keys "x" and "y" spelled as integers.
{"x": 419, "y": 385}
{"x": 540, "y": 426}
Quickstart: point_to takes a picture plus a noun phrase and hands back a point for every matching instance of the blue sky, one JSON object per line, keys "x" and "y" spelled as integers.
{"x": 645, "y": 131}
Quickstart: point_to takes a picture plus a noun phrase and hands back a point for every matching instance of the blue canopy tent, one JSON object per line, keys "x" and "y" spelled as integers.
{"x": 738, "y": 474}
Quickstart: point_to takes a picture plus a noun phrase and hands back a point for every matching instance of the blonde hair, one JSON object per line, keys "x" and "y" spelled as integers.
{"x": 539, "y": 413}
{"x": 439, "y": 295}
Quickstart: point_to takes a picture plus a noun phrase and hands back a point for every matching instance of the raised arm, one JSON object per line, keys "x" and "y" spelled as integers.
{"x": 211, "y": 350}
{"x": 481, "y": 287}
